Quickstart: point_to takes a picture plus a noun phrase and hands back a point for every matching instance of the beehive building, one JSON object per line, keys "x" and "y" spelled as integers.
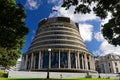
{"x": 58, "y": 46}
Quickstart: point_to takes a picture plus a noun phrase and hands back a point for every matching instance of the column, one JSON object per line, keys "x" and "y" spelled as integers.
{"x": 82, "y": 61}
{"x": 39, "y": 63}
{"x": 86, "y": 62}
{"x": 26, "y": 60}
{"x": 34, "y": 61}
{"x": 23, "y": 62}
{"x": 69, "y": 60}
{"x": 59, "y": 58}
{"x": 49, "y": 60}
{"x": 31, "y": 61}
{"x": 78, "y": 60}
{"x": 41, "y": 60}
{"x": 90, "y": 61}
{"x": 93, "y": 63}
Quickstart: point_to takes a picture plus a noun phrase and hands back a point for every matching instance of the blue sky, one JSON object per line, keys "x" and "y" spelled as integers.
{"x": 89, "y": 24}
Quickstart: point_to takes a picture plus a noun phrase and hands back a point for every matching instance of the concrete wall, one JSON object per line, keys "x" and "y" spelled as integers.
{"x": 26, "y": 74}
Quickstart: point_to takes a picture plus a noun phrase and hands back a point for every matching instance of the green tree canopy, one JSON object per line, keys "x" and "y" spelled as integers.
{"x": 12, "y": 32}
{"x": 110, "y": 30}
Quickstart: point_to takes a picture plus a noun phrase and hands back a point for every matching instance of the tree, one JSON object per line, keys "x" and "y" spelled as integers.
{"x": 12, "y": 32}
{"x": 110, "y": 30}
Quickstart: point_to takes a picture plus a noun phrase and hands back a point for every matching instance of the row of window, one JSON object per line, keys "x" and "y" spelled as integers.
{"x": 58, "y": 26}
{"x": 110, "y": 69}
{"x": 56, "y": 38}
{"x": 58, "y": 46}
{"x": 57, "y": 32}
{"x": 47, "y": 37}
{"x": 55, "y": 57}
{"x": 58, "y": 42}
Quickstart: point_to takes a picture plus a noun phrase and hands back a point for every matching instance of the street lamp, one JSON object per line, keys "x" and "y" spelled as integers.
{"x": 48, "y": 70}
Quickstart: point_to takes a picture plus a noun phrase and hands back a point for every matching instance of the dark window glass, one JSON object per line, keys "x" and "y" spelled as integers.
{"x": 45, "y": 60}
{"x": 65, "y": 33}
{"x": 81, "y": 63}
{"x": 115, "y": 63}
{"x": 59, "y": 46}
{"x": 117, "y": 70}
{"x": 109, "y": 64}
{"x": 110, "y": 70}
{"x": 36, "y": 60}
{"x": 89, "y": 65}
{"x": 63, "y": 60}
{"x": 54, "y": 59}
{"x": 63, "y": 19}
{"x": 72, "y": 57}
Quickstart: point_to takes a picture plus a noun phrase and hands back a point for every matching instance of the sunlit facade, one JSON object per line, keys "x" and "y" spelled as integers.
{"x": 109, "y": 63}
{"x": 59, "y": 46}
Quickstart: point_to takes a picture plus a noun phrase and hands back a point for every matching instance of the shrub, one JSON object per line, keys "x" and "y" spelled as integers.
{"x": 3, "y": 74}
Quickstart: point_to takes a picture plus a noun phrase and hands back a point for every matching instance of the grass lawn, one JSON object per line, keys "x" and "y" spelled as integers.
{"x": 54, "y": 79}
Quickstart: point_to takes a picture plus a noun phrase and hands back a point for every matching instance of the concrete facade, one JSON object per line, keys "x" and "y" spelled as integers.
{"x": 58, "y": 46}
{"x": 58, "y": 75}
{"x": 109, "y": 63}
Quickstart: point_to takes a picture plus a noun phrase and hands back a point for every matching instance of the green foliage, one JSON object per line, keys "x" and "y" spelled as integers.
{"x": 3, "y": 74}
{"x": 8, "y": 57}
{"x": 101, "y": 10}
{"x": 12, "y": 32}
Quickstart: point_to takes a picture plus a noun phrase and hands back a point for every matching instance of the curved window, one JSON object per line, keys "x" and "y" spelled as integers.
{"x": 58, "y": 28}
{"x": 69, "y": 37}
{"x": 45, "y": 60}
{"x": 64, "y": 43}
{"x": 42, "y": 28}
{"x": 57, "y": 37}
{"x": 63, "y": 60}
{"x": 72, "y": 56}
{"x": 54, "y": 60}
{"x": 59, "y": 42}
{"x": 59, "y": 46}
{"x": 57, "y": 32}
{"x": 36, "y": 60}
{"x": 81, "y": 62}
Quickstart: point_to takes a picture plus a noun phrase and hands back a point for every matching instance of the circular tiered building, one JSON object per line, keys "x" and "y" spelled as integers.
{"x": 58, "y": 46}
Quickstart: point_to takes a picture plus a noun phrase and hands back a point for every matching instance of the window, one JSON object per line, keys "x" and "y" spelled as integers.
{"x": 109, "y": 64}
{"x": 115, "y": 63}
{"x": 63, "y": 60}
{"x": 116, "y": 70}
{"x": 72, "y": 56}
{"x": 89, "y": 65}
{"x": 45, "y": 60}
{"x": 36, "y": 60}
{"x": 54, "y": 59}
{"x": 110, "y": 70}
{"x": 81, "y": 63}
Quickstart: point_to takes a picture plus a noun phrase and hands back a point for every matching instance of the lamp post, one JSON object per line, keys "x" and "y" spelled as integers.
{"x": 48, "y": 70}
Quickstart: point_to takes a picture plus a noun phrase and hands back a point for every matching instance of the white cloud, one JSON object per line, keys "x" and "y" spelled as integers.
{"x": 55, "y": 1}
{"x": 86, "y": 31}
{"x": 74, "y": 17}
{"x": 106, "y": 19}
{"x": 32, "y": 4}
{"x": 52, "y": 1}
{"x": 105, "y": 47}
{"x": 98, "y": 36}
{"x": 108, "y": 48}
